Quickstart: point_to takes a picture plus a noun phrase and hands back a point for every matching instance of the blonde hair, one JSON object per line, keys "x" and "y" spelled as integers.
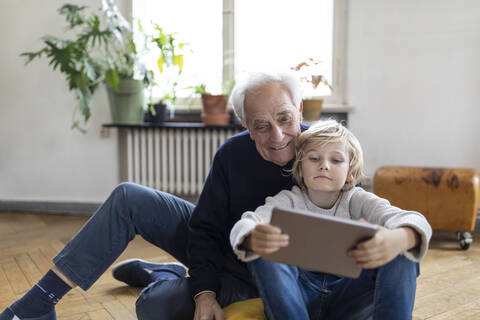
{"x": 325, "y": 132}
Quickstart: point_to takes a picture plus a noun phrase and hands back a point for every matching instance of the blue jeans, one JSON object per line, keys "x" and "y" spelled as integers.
{"x": 290, "y": 292}
{"x": 161, "y": 219}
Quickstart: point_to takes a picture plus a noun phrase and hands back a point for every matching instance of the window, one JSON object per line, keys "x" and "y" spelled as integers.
{"x": 275, "y": 34}
{"x": 228, "y": 38}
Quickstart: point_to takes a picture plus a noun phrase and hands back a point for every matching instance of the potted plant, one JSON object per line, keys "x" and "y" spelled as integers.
{"x": 102, "y": 50}
{"x": 215, "y": 106}
{"x": 169, "y": 68}
{"x": 312, "y": 74}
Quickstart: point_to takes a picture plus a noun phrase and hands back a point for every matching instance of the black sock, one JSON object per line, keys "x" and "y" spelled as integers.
{"x": 42, "y": 298}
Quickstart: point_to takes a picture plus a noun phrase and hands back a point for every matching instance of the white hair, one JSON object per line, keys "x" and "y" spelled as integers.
{"x": 260, "y": 79}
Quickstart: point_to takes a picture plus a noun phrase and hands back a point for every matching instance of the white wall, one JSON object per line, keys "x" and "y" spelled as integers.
{"x": 413, "y": 75}
{"x": 41, "y": 159}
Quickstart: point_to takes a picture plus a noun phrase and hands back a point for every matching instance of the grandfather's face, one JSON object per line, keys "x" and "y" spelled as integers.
{"x": 273, "y": 122}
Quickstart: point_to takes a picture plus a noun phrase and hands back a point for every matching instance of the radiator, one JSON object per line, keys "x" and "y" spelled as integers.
{"x": 175, "y": 160}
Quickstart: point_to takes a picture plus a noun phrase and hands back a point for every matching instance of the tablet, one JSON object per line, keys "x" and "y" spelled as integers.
{"x": 319, "y": 242}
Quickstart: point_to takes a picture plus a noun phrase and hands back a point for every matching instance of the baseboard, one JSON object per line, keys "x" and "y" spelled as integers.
{"x": 67, "y": 208}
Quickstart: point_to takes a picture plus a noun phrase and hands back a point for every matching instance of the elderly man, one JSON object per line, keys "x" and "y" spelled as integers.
{"x": 246, "y": 169}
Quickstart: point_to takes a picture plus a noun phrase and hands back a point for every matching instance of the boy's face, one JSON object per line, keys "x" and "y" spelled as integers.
{"x": 273, "y": 122}
{"x": 325, "y": 169}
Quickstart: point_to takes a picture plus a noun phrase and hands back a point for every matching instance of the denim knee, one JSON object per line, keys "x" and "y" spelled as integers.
{"x": 279, "y": 289}
{"x": 401, "y": 266}
{"x": 395, "y": 289}
{"x": 264, "y": 267}
{"x": 119, "y": 193}
{"x": 122, "y": 190}
{"x": 166, "y": 300}
{"x": 125, "y": 195}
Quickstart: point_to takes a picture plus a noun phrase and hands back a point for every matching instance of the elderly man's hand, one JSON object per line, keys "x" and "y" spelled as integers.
{"x": 207, "y": 307}
{"x": 266, "y": 239}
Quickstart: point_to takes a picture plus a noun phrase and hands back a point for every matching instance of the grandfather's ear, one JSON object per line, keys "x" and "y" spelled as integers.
{"x": 301, "y": 111}
{"x": 244, "y": 125}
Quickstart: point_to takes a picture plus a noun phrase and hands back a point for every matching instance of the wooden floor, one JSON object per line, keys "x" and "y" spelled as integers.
{"x": 448, "y": 288}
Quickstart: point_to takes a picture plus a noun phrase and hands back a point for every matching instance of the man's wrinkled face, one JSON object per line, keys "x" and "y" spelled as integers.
{"x": 273, "y": 122}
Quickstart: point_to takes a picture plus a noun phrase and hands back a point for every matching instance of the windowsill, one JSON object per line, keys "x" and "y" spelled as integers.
{"x": 171, "y": 124}
{"x": 338, "y": 112}
{"x": 338, "y": 108}
{"x": 194, "y": 104}
{"x": 191, "y": 119}
{"x": 333, "y": 108}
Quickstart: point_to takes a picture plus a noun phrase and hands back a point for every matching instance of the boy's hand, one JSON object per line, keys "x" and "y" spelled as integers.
{"x": 265, "y": 239}
{"x": 383, "y": 247}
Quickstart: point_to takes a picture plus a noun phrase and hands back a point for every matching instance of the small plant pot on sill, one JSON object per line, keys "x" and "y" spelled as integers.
{"x": 312, "y": 108}
{"x": 126, "y": 103}
{"x": 160, "y": 113}
{"x": 215, "y": 110}
{"x": 214, "y": 103}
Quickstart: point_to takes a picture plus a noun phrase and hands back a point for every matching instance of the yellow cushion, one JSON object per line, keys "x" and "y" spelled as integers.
{"x": 251, "y": 309}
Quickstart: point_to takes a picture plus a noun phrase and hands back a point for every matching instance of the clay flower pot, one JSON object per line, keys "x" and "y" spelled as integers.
{"x": 214, "y": 103}
{"x": 215, "y": 110}
{"x": 312, "y": 108}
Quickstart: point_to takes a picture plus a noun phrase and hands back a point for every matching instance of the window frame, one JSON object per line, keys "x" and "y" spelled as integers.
{"x": 336, "y": 100}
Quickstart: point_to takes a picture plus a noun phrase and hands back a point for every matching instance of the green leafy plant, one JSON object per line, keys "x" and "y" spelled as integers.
{"x": 170, "y": 60}
{"x": 169, "y": 64}
{"x": 199, "y": 89}
{"x": 102, "y": 49}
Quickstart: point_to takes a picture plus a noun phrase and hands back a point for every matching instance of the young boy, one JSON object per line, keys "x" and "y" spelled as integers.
{"x": 328, "y": 165}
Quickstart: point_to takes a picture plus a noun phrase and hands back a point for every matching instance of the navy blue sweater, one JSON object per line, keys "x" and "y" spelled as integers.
{"x": 239, "y": 180}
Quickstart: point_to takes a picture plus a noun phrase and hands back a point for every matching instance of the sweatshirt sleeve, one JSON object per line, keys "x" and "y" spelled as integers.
{"x": 379, "y": 211}
{"x": 251, "y": 219}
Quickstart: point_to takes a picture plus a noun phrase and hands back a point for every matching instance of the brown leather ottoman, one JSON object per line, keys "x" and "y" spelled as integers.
{"x": 447, "y": 197}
